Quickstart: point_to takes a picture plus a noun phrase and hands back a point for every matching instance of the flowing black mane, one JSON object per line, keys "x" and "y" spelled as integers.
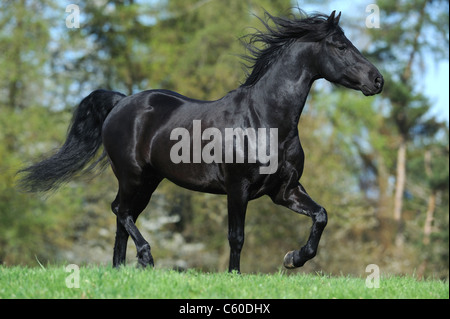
{"x": 307, "y": 28}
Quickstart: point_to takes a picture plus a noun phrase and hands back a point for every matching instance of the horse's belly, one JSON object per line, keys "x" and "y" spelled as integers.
{"x": 195, "y": 177}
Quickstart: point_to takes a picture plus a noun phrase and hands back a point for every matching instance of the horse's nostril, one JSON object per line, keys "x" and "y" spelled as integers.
{"x": 378, "y": 82}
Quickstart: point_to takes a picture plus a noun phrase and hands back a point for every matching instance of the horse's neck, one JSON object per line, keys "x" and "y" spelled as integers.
{"x": 282, "y": 97}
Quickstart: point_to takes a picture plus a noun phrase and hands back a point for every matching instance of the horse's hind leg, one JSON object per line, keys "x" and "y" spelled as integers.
{"x": 120, "y": 244}
{"x": 299, "y": 201}
{"x": 129, "y": 203}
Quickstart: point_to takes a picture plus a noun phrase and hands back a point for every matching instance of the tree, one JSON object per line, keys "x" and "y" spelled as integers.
{"x": 380, "y": 137}
{"x": 115, "y": 49}
{"x": 24, "y": 40}
{"x": 429, "y": 169}
{"x": 406, "y": 31}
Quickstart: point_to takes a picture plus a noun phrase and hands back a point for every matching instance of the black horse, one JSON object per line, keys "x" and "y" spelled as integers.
{"x": 141, "y": 135}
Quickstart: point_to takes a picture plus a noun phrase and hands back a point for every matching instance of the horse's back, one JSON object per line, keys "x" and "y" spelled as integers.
{"x": 137, "y": 137}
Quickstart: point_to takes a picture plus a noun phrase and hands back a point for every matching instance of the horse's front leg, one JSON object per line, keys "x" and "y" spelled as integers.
{"x": 237, "y": 206}
{"x": 299, "y": 201}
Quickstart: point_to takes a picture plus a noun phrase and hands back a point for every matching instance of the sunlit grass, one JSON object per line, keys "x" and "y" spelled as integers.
{"x": 129, "y": 282}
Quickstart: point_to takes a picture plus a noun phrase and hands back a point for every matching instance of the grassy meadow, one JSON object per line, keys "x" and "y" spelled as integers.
{"x": 99, "y": 282}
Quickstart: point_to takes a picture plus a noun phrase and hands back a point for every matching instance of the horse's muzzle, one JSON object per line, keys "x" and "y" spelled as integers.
{"x": 375, "y": 87}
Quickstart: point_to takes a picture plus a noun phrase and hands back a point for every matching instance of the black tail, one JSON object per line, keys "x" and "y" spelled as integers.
{"x": 82, "y": 143}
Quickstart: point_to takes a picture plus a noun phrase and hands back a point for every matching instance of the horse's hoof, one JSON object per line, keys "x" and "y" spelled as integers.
{"x": 145, "y": 258}
{"x": 145, "y": 264}
{"x": 289, "y": 260}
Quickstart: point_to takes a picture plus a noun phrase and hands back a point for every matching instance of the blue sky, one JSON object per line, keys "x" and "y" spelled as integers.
{"x": 437, "y": 87}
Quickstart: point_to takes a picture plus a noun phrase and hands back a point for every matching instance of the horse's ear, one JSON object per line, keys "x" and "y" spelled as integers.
{"x": 331, "y": 17}
{"x": 336, "y": 20}
{"x": 333, "y": 20}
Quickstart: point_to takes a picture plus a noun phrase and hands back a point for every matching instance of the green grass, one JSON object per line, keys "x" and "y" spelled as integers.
{"x": 129, "y": 282}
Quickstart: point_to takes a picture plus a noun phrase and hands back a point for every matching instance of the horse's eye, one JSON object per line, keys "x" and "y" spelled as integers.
{"x": 342, "y": 47}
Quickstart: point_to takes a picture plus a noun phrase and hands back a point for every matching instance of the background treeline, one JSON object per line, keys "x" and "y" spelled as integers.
{"x": 380, "y": 165}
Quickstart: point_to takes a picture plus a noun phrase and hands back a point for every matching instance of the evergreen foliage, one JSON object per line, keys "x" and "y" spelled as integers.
{"x": 352, "y": 143}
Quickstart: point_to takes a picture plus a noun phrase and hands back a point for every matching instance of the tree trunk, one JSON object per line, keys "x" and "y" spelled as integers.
{"x": 399, "y": 190}
{"x": 385, "y": 231}
{"x": 427, "y": 228}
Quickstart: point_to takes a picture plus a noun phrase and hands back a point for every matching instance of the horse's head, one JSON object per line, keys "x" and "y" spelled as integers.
{"x": 341, "y": 62}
